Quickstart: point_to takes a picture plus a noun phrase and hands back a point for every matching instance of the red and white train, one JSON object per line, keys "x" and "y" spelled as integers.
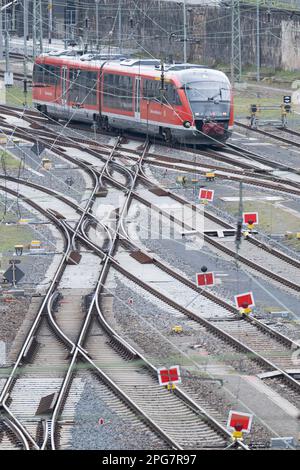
{"x": 186, "y": 103}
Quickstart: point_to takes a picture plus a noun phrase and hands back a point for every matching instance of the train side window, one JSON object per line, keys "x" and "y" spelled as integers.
{"x": 89, "y": 81}
{"x": 83, "y": 87}
{"x": 151, "y": 89}
{"x": 171, "y": 95}
{"x": 46, "y": 74}
{"x": 38, "y": 74}
{"x": 75, "y": 93}
{"x": 53, "y": 75}
{"x": 118, "y": 91}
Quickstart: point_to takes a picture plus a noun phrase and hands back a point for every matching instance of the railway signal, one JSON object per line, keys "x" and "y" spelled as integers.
{"x": 206, "y": 195}
{"x": 239, "y": 423}
{"x": 250, "y": 219}
{"x": 205, "y": 279}
{"x": 244, "y": 302}
{"x": 169, "y": 377}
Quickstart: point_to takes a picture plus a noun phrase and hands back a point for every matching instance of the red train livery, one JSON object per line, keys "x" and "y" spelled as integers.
{"x": 186, "y": 103}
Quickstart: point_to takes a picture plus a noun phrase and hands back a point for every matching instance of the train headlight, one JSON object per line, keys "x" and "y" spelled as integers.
{"x": 187, "y": 124}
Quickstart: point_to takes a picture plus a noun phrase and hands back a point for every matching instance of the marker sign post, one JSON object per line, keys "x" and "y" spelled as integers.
{"x": 206, "y": 195}
{"x": 205, "y": 279}
{"x": 244, "y": 302}
{"x": 169, "y": 377}
{"x": 239, "y": 422}
{"x": 250, "y": 218}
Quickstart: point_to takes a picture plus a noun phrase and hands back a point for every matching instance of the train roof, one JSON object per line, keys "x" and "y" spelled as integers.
{"x": 185, "y": 72}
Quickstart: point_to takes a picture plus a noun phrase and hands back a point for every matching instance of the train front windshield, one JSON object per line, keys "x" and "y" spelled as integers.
{"x": 207, "y": 98}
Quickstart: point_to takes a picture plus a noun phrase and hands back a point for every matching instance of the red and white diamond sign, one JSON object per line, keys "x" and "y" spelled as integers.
{"x": 242, "y": 421}
{"x": 206, "y": 194}
{"x": 205, "y": 279}
{"x": 250, "y": 217}
{"x": 244, "y": 300}
{"x": 169, "y": 376}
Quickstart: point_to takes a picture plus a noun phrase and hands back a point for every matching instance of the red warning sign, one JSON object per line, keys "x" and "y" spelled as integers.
{"x": 205, "y": 279}
{"x": 250, "y": 217}
{"x": 244, "y": 300}
{"x": 206, "y": 194}
{"x": 169, "y": 376}
{"x": 239, "y": 421}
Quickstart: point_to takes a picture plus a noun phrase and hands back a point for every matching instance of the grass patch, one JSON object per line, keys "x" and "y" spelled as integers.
{"x": 11, "y": 235}
{"x": 8, "y": 161}
{"x": 242, "y": 106}
{"x": 15, "y": 96}
{"x": 272, "y": 219}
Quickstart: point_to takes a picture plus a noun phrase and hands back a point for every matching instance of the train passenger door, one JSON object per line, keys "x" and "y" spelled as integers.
{"x": 64, "y": 91}
{"x": 64, "y": 85}
{"x": 137, "y": 109}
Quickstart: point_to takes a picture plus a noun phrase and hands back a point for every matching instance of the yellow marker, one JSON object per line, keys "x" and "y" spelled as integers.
{"x": 245, "y": 311}
{"x": 298, "y": 235}
{"x": 171, "y": 386}
{"x": 177, "y": 329}
{"x": 237, "y": 435}
{"x": 210, "y": 175}
{"x": 250, "y": 226}
{"x": 23, "y": 221}
{"x": 35, "y": 244}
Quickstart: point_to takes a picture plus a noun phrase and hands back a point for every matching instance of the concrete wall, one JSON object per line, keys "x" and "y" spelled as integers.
{"x": 156, "y": 27}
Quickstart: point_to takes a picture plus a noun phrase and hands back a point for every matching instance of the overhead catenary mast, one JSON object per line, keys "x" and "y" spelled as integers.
{"x": 25, "y": 32}
{"x": 1, "y": 31}
{"x": 34, "y": 28}
{"x": 184, "y": 33}
{"x": 50, "y": 18}
{"x": 236, "y": 54}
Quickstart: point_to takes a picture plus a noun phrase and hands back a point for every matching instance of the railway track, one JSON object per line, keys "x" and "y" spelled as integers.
{"x": 282, "y": 347}
{"x": 257, "y": 323}
{"x": 278, "y": 137}
{"x": 245, "y": 161}
{"x": 107, "y": 178}
{"x": 19, "y": 77}
{"x": 191, "y": 410}
{"x": 259, "y": 180}
{"x": 252, "y": 240}
{"x": 215, "y": 243}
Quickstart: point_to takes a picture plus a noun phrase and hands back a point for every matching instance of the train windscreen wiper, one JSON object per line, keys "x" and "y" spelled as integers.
{"x": 217, "y": 94}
